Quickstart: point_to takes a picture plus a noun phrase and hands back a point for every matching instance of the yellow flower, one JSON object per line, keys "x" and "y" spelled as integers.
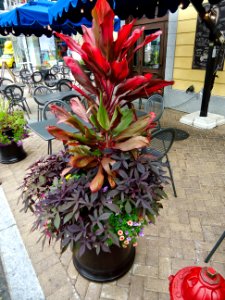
{"x": 126, "y": 242}
{"x": 68, "y": 176}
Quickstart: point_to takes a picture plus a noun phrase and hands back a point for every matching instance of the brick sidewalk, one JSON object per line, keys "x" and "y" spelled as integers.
{"x": 186, "y": 230}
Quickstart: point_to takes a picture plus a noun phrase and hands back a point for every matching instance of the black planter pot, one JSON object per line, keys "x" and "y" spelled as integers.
{"x": 105, "y": 266}
{"x": 11, "y": 153}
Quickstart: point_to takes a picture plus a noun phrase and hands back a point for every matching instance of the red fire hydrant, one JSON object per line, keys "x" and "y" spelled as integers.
{"x": 197, "y": 283}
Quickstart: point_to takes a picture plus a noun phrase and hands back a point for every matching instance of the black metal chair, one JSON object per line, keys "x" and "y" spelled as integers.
{"x": 48, "y": 114}
{"x": 64, "y": 85}
{"x": 161, "y": 142}
{"x": 33, "y": 81}
{"x": 155, "y": 103}
{"x": 5, "y": 81}
{"x": 37, "y": 77}
{"x": 41, "y": 90}
{"x": 25, "y": 75}
{"x": 55, "y": 70}
{"x": 64, "y": 71}
{"x": 50, "y": 80}
{"x": 14, "y": 94}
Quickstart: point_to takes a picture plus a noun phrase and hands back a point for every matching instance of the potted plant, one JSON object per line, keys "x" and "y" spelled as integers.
{"x": 13, "y": 131}
{"x": 97, "y": 196}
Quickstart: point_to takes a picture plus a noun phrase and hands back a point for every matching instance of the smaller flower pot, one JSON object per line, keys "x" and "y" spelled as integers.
{"x": 12, "y": 153}
{"x": 105, "y": 266}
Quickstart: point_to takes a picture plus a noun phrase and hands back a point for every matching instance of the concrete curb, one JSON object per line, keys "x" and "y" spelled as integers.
{"x": 22, "y": 281}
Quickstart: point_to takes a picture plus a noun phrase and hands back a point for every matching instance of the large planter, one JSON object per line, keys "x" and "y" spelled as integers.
{"x": 12, "y": 153}
{"x": 105, "y": 266}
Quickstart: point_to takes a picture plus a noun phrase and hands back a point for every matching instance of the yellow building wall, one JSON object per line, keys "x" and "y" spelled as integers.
{"x": 183, "y": 74}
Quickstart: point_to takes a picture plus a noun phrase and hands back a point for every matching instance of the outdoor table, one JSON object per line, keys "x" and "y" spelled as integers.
{"x": 56, "y": 96}
{"x": 44, "y": 72}
{"x": 40, "y": 129}
{"x": 2, "y": 87}
{"x": 54, "y": 82}
{"x": 26, "y": 64}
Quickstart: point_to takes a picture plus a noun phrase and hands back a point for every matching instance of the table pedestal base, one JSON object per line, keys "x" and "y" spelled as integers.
{"x": 209, "y": 122}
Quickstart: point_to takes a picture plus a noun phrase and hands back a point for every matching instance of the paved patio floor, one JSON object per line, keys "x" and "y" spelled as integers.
{"x": 186, "y": 230}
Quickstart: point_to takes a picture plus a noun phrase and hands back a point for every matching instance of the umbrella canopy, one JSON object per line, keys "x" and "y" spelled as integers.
{"x": 33, "y": 18}
{"x": 74, "y": 10}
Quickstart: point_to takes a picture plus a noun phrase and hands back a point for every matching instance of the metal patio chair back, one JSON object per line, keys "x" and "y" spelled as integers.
{"x": 50, "y": 80}
{"x": 55, "y": 70}
{"x": 161, "y": 142}
{"x": 155, "y": 103}
{"x": 25, "y": 75}
{"x": 14, "y": 94}
{"x": 47, "y": 114}
{"x": 41, "y": 90}
{"x": 5, "y": 81}
{"x": 64, "y": 71}
{"x": 64, "y": 85}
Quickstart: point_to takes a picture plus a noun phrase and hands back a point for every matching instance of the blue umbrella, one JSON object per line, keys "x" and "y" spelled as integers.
{"x": 33, "y": 18}
{"x": 77, "y": 11}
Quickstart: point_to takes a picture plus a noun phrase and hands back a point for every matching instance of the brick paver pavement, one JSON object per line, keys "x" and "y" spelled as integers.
{"x": 186, "y": 230}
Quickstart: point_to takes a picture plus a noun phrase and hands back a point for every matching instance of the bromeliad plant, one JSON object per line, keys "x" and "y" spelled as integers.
{"x": 105, "y": 190}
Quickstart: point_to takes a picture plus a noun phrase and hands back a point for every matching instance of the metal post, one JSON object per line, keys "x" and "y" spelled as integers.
{"x": 215, "y": 247}
{"x": 209, "y": 79}
{"x": 216, "y": 37}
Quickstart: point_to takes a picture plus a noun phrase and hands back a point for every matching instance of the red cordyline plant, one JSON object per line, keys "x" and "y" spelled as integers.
{"x": 107, "y": 124}
{"x": 102, "y": 190}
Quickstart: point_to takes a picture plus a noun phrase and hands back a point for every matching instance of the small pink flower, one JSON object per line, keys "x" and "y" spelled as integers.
{"x": 130, "y": 223}
{"x": 121, "y": 238}
{"x": 120, "y": 232}
{"x": 135, "y": 244}
{"x": 126, "y": 242}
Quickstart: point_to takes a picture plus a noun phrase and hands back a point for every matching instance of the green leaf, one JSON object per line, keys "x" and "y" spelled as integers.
{"x": 151, "y": 217}
{"x": 136, "y": 128}
{"x": 57, "y": 221}
{"x": 113, "y": 207}
{"x": 114, "y": 238}
{"x": 94, "y": 121}
{"x": 115, "y": 114}
{"x": 55, "y": 181}
{"x": 127, "y": 117}
{"x": 75, "y": 122}
{"x": 68, "y": 217}
{"x": 104, "y": 216}
{"x": 42, "y": 180}
{"x": 102, "y": 116}
{"x": 128, "y": 207}
{"x": 161, "y": 193}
